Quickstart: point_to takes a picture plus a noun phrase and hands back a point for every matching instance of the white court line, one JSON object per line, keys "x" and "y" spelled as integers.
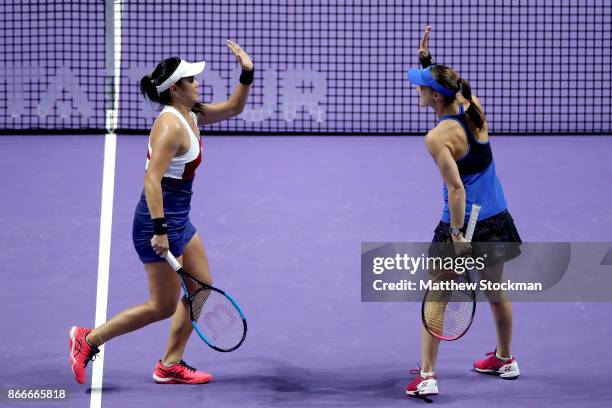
{"x": 106, "y": 212}
{"x": 106, "y": 223}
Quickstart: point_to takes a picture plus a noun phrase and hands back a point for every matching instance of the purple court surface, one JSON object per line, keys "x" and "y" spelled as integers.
{"x": 282, "y": 220}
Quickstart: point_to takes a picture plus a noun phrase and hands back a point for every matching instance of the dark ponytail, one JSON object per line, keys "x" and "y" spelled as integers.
{"x": 148, "y": 89}
{"x": 449, "y": 79}
{"x": 199, "y": 109}
{"x": 149, "y": 82}
{"x": 474, "y": 113}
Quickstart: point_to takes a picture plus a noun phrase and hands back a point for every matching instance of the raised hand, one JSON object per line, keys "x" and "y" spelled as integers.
{"x": 241, "y": 56}
{"x": 423, "y": 45}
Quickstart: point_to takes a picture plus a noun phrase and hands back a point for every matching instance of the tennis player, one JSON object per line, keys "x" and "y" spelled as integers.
{"x": 459, "y": 145}
{"x": 161, "y": 219}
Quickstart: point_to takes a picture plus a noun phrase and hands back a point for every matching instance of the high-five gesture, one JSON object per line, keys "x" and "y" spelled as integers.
{"x": 216, "y": 112}
{"x": 241, "y": 56}
{"x": 423, "y": 45}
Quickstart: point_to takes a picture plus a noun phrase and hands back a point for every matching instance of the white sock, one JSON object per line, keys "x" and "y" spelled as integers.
{"x": 504, "y": 359}
{"x": 425, "y": 375}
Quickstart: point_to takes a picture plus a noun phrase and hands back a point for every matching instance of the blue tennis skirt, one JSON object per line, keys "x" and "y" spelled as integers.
{"x": 177, "y": 203}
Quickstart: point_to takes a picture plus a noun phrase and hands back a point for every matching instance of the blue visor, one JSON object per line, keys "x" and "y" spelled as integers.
{"x": 423, "y": 77}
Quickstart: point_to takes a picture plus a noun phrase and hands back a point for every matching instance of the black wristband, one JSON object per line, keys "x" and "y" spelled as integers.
{"x": 160, "y": 226}
{"x": 246, "y": 78}
{"x": 426, "y": 61}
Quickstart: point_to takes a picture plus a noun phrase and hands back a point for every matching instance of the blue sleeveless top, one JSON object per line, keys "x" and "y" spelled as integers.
{"x": 477, "y": 171}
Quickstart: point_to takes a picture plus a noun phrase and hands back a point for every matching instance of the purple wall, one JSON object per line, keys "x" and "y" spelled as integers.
{"x": 538, "y": 66}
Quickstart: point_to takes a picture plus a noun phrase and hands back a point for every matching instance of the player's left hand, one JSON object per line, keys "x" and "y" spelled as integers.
{"x": 424, "y": 44}
{"x": 241, "y": 56}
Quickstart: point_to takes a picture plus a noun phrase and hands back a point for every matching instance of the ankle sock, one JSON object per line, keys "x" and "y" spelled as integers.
{"x": 425, "y": 375}
{"x": 504, "y": 359}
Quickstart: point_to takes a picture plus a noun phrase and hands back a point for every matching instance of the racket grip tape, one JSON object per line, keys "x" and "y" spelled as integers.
{"x": 469, "y": 232}
{"x": 172, "y": 261}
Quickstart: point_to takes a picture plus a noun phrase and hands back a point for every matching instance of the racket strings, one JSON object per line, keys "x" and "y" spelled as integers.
{"x": 218, "y": 318}
{"x": 198, "y": 301}
{"x": 448, "y": 313}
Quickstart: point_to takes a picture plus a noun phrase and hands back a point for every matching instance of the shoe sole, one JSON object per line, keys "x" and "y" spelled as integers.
{"x": 430, "y": 390}
{"x": 496, "y": 373}
{"x": 162, "y": 380}
{"x": 420, "y": 394}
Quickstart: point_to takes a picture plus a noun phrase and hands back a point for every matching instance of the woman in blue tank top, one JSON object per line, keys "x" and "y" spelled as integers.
{"x": 459, "y": 145}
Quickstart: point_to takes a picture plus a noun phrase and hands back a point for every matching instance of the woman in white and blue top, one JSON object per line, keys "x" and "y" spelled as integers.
{"x": 161, "y": 220}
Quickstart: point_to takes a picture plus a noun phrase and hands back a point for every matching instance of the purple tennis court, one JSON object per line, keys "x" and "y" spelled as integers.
{"x": 282, "y": 220}
{"x": 288, "y": 191}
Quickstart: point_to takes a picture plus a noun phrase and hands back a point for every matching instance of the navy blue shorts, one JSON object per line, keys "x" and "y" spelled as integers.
{"x": 177, "y": 203}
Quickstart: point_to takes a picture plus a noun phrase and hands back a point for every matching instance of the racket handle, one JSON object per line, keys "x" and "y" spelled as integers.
{"x": 172, "y": 261}
{"x": 469, "y": 232}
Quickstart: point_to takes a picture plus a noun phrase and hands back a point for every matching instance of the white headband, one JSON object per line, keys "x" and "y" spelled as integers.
{"x": 185, "y": 69}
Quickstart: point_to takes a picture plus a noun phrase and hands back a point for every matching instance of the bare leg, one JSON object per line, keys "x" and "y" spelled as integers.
{"x": 195, "y": 263}
{"x": 501, "y": 308}
{"x": 429, "y": 343}
{"x": 429, "y": 351}
{"x": 164, "y": 289}
{"x": 502, "y": 313}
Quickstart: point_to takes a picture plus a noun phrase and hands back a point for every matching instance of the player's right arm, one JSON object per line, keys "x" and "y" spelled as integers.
{"x": 165, "y": 144}
{"x": 442, "y": 150}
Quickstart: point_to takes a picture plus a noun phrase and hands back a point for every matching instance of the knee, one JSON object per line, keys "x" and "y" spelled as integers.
{"x": 500, "y": 302}
{"x": 497, "y": 298}
{"x": 502, "y": 310}
{"x": 162, "y": 311}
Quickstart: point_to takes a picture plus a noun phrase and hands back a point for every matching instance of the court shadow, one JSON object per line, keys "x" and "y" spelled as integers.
{"x": 285, "y": 385}
{"x": 105, "y": 389}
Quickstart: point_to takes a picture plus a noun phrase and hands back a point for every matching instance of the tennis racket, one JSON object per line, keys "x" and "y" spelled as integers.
{"x": 448, "y": 314}
{"x": 215, "y": 316}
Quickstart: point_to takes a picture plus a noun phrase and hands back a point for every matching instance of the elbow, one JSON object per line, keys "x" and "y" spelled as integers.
{"x": 456, "y": 189}
{"x": 237, "y": 110}
{"x": 235, "y": 106}
{"x": 151, "y": 181}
